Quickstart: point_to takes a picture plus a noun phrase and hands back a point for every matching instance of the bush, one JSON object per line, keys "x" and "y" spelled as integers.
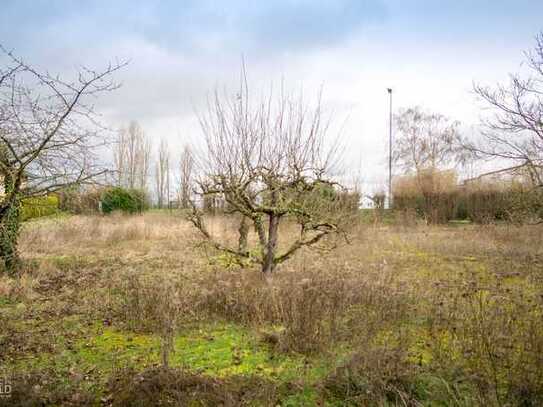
{"x": 374, "y": 377}
{"x": 308, "y": 310}
{"x": 39, "y": 206}
{"x": 497, "y": 343}
{"x": 175, "y": 387}
{"x": 486, "y": 202}
{"x": 78, "y": 201}
{"x": 435, "y": 208}
{"x": 124, "y": 200}
{"x": 436, "y": 198}
{"x": 305, "y": 310}
{"x": 431, "y": 193}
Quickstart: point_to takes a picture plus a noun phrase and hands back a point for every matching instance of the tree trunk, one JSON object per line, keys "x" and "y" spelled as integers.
{"x": 243, "y": 233}
{"x": 259, "y": 229}
{"x": 268, "y": 265}
{"x": 9, "y": 233}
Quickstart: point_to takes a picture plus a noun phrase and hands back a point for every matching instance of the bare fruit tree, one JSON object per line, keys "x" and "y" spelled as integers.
{"x": 514, "y": 131}
{"x": 132, "y": 154}
{"x": 186, "y": 176}
{"x": 269, "y": 163}
{"x": 48, "y": 137}
{"x": 162, "y": 174}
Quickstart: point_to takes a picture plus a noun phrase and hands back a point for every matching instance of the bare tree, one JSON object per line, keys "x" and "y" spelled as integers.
{"x": 186, "y": 175}
{"x": 514, "y": 131}
{"x": 426, "y": 141}
{"x": 162, "y": 174}
{"x": 132, "y": 157}
{"x": 269, "y": 162}
{"x": 427, "y": 144}
{"x": 48, "y": 137}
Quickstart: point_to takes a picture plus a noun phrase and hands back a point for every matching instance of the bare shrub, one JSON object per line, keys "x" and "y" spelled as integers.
{"x": 431, "y": 193}
{"x": 308, "y": 309}
{"x": 437, "y": 198}
{"x": 501, "y": 200}
{"x": 151, "y": 305}
{"x": 42, "y": 388}
{"x": 380, "y": 376}
{"x": 311, "y": 310}
{"x": 496, "y": 328}
{"x": 161, "y": 386}
{"x": 406, "y": 218}
{"x": 309, "y": 313}
{"x": 20, "y": 289}
{"x": 79, "y": 200}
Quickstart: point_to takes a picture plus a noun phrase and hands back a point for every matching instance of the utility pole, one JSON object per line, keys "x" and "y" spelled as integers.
{"x": 390, "y": 150}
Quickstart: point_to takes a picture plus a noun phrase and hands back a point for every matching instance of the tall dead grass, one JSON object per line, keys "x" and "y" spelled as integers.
{"x": 63, "y": 235}
{"x": 409, "y": 314}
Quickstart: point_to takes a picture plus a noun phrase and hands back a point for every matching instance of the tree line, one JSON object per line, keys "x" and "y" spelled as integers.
{"x": 133, "y": 167}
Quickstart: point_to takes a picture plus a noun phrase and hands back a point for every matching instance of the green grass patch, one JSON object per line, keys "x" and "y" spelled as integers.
{"x": 216, "y": 350}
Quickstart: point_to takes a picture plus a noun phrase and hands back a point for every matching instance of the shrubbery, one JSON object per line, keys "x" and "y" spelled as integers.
{"x": 513, "y": 202}
{"x": 39, "y": 206}
{"x": 432, "y": 194}
{"x": 434, "y": 207}
{"x": 78, "y": 201}
{"x": 89, "y": 201}
{"x": 438, "y": 199}
{"x": 124, "y": 200}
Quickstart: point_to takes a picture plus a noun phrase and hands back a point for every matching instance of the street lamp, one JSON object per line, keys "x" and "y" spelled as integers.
{"x": 390, "y": 150}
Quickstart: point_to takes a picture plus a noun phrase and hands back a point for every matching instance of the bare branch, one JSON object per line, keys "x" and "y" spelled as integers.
{"x": 269, "y": 161}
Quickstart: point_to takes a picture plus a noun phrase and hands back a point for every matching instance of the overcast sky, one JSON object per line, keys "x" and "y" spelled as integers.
{"x": 430, "y": 52}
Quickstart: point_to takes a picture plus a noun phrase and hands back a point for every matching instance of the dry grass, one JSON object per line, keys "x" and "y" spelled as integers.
{"x": 404, "y": 315}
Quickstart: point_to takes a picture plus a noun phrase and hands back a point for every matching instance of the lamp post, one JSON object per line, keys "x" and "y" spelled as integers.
{"x": 390, "y": 150}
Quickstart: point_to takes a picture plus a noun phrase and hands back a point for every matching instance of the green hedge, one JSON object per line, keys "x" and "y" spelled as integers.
{"x": 124, "y": 200}
{"x": 39, "y": 206}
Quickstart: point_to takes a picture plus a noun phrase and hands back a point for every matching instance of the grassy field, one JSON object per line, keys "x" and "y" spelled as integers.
{"x": 135, "y": 310}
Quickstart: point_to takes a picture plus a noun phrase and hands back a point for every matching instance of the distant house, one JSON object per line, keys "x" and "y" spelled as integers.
{"x": 519, "y": 173}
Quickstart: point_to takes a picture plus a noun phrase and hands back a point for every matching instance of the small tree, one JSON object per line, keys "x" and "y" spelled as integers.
{"x": 269, "y": 163}
{"x": 162, "y": 174}
{"x": 378, "y": 200}
{"x": 186, "y": 174}
{"x": 48, "y": 138}
{"x": 425, "y": 140}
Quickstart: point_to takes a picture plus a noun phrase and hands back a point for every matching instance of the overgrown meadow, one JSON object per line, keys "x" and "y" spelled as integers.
{"x": 133, "y": 310}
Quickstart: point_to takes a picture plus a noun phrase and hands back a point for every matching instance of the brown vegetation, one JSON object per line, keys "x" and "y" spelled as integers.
{"x": 403, "y": 315}
{"x": 437, "y": 197}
